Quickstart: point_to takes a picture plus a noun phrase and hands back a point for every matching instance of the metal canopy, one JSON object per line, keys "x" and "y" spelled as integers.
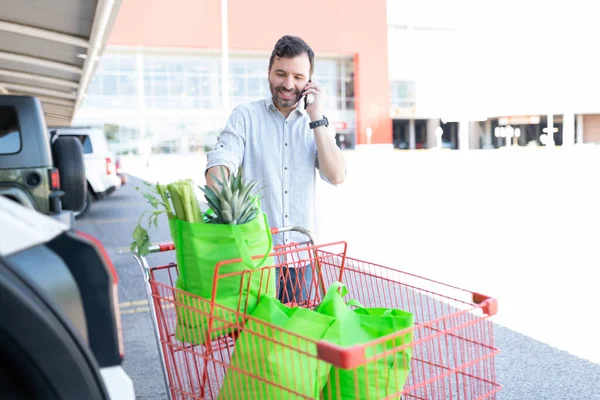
{"x": 50, "y": 49}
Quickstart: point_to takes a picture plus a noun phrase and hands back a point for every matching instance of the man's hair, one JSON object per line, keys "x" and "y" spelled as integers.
{"x": 290, "y": 47}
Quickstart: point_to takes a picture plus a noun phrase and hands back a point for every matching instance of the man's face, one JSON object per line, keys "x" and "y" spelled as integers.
{"x": 287, "y": 79}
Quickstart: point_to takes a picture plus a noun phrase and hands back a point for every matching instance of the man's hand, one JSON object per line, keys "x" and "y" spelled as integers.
{"x": 331, "y": 160}
{"x": 315, "y": 109}
{"x": 216, "y": 171}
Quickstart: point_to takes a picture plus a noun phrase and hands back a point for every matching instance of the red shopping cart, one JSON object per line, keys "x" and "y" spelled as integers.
{"x": 453, "y": 353}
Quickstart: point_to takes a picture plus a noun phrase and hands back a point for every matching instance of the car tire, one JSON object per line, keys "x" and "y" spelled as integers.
{"x": 67, "y": 153}
{"x": 89, "y": 198}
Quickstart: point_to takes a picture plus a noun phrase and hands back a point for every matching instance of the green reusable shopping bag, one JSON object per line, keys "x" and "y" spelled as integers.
{"x": 269, "y": 363}
{"x": 199, "y": 248}
{"x": 377, "y": 379}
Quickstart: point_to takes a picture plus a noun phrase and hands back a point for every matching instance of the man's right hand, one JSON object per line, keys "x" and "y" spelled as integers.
{"x": 216, "y": 171}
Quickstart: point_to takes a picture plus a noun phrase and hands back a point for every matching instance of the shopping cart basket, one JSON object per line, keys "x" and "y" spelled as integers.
{"x": 452, "y": 340}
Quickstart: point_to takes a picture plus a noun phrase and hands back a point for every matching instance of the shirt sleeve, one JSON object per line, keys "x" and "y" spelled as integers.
{"x": 229, "y": 149}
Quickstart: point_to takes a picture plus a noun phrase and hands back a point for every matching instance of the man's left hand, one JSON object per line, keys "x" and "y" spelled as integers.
{"x": 315, "y": 108}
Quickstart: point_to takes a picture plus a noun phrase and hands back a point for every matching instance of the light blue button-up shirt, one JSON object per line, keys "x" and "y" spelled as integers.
{"x": 281, "y": 153}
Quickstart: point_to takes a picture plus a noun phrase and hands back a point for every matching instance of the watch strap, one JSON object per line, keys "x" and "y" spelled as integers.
{"x": 320, "y": 122}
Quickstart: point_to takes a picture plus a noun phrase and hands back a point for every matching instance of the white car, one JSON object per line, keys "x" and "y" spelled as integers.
{"x": 101, "y": 167}
{"x": 60, "y": 323}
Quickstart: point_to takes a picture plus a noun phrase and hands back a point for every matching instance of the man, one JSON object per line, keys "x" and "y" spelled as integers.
{"x": 281, "y": 141}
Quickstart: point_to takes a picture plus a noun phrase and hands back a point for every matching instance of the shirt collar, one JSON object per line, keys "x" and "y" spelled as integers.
{"x": 270, "y": 106}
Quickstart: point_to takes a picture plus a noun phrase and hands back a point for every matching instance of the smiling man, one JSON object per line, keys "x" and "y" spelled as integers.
{"x": 283, "y": 141}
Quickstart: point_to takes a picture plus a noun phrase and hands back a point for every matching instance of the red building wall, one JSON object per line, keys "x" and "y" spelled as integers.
{"x": 348, "y": 27}
{"x": 591, "y": 128}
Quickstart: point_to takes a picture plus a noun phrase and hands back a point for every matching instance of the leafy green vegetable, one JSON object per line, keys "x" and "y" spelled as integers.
{"x": 176, "y": 199}
{"x": 232, "y": 202}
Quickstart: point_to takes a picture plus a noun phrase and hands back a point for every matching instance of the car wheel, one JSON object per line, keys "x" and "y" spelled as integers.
{"x": 68, "y": 158}
{"x": 86, "y": 207}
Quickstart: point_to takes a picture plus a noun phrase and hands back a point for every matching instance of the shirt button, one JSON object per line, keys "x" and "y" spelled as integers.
{"x": 286, "y": 192}
{"x": 285, "y": 168}
{"x": 286, "y": 144}
{"x": 286, "y": 216}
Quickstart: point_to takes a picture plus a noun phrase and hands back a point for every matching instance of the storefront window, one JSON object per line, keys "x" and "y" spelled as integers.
{"x": 176, "y": 86}
{"x": 115, "y": 79}
{"x": 337, "y": 75}
{"x": 248, "y": 79}
{"x": 181, "y": 82}
{"x": 403, "y": 93}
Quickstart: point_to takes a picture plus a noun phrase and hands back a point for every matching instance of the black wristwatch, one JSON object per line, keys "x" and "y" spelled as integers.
{"x": 321, "y": 122}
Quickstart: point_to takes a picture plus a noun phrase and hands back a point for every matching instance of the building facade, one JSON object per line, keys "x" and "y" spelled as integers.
{"x": 160, "y": 82}
{"x": 488, "y": 76}
{"x": 397, "y": 73}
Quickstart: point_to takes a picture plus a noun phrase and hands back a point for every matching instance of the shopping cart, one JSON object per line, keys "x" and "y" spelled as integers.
{"x": 453, "y": 353}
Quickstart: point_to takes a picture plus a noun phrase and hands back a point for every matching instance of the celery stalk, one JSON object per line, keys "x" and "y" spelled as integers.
{"x": 162, "y": 191}
{"x": 186, "y": 201}
{"x": 177, "y": 201}
{"x": 195, "y": 206}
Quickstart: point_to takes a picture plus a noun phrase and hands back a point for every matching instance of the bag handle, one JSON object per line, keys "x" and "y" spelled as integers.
{"x": 355, "y": 303}
{"x": 338, "y": 288}
{"x": 243, "y": 247}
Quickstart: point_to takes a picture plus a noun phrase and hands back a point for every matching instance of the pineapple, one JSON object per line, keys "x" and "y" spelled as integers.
{"x": 233, "y": 202}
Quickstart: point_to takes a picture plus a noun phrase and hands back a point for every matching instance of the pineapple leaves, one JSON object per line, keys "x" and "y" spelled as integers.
{"x": 231, "y": 200}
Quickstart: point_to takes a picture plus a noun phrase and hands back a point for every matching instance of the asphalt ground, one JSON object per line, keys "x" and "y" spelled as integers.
{"x": 527, "y": 368}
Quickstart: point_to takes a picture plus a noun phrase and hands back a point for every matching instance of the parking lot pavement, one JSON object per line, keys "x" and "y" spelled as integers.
{"x": 478, "y": 226}
{"x": 142, "y": 362}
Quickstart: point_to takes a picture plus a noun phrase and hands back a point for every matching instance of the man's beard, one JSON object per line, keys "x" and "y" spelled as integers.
{"x": 281, "y": 102}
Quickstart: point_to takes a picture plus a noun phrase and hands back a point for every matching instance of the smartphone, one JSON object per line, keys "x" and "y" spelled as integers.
{"x": 306, "y": 97}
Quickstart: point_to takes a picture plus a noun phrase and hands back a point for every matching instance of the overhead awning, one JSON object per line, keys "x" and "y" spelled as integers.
{"x": 50, "y": 49}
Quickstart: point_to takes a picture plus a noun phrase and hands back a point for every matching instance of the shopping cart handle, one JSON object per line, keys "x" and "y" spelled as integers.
{"x": 489, "y": 305}
{"x": 305, "y": 232}
{"x": 159, "y": 248}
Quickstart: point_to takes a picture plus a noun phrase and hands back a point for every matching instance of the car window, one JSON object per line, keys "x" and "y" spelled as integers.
{"x": 10, "y": 135}
{"x": 86, "y": 143}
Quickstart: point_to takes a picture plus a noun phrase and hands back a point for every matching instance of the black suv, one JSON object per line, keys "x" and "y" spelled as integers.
{"x": 38, "y": 170}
